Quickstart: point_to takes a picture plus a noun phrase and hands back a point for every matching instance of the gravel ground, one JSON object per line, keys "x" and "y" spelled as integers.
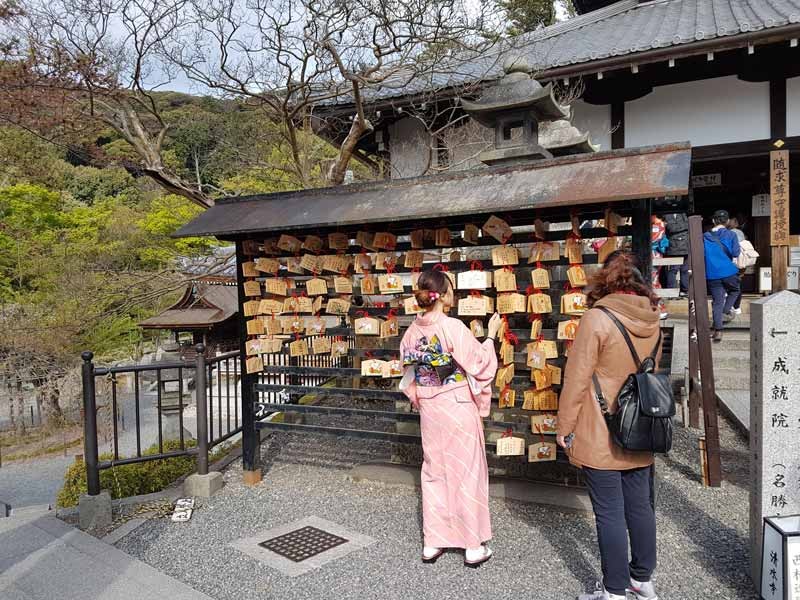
{"x": 541, "y": 551}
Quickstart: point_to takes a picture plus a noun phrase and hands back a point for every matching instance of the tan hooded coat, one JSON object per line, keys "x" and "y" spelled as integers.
{"x": 600, "y": 348}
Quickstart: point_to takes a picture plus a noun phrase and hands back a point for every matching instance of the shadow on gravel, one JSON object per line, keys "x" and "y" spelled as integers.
{"x": 571, "y": 543}
{"x": 722, "y": 550}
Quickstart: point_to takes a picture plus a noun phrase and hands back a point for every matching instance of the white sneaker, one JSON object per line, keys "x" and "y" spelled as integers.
{"x": 736, "y": 311}
{"x": 643, "y": 590}
{"x": 475, "y": 557}
{"x": 601, "y": 594}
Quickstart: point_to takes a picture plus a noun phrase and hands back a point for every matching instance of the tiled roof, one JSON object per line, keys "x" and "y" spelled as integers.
{"x": 624, "y": 28}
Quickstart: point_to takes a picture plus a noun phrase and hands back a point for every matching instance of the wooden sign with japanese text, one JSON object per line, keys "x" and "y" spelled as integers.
{"x": 779, "y": 193}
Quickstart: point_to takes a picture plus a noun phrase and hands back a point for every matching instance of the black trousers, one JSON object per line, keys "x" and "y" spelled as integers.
{"x": 623, "y": 507}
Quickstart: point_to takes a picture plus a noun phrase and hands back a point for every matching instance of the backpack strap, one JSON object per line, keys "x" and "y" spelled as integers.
{"x": 637, "y": 361}
{"x": 715, "y": 238}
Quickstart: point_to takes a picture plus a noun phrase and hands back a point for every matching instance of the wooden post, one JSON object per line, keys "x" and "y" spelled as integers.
{"x": 640, "y": 237}
{"x": 693, "y": 393}
{"x": 703, "y": 341}
{"x": 779, "y": 216}
{"x": 250, "y": 439}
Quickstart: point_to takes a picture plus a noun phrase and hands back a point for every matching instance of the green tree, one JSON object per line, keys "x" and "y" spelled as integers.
{"x": 530, "y": 15}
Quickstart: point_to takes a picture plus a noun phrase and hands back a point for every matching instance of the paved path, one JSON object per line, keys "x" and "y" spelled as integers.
{"x": 24, "y": 483}
{"x": 43, "y": 558}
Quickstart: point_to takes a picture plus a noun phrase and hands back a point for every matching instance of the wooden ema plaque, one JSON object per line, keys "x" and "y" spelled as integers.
{"x": 337, "y": 306}
{"x": 540, "y": 279}
{"x": 511, "y": 446}
{"x": 372, "y": 368}
{"x": 443, "y": 238}
{"x": 267, "y": 265}
{"x": 477, "y": 329}
{"x": 414, "y": 259}
{"x": 540, "y": 400}
{"x": 290, "y": 244}
{"x": 567, "y": 330}
{"x": 546, "y": 424}
{"x": 474, "y": 280}
{"x": 498, "y": 229}
{"x": 338, "y": 241}
{"x": 540, "y": 304}
{"x": 505, "y": 281}
{"x": 252, "y": 288}
{"x": 312, "y": 243}
{"x": 390, "y": 284}
{"x": 576, "y": 276}
{"x": 505, "y": 255}
{"x": 384, "y": 240}
{"x": 544, "y": 252}
{"x": 506, "y": 398}
{"x": 511, "y": 303}
{"x": 298, "y": 348}
{"x": 254, "y": 365}
{"x": 542, "y": 452}
{"x": 316, "y": 287}
{"x": 471, "y": 233}
{"x": 316, "y": 326}
{"x": 321, "y": 345}
{"x": 367, "y": 326}
{"x": 342, "y": 285}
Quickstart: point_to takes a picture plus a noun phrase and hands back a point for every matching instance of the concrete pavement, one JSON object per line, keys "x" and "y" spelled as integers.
{"x": 42, "y": 558}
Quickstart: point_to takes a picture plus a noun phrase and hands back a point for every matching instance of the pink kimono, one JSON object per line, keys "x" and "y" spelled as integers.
{"x": 455, "y": 476}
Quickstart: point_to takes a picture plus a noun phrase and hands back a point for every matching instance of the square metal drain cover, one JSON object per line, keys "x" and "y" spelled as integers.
{"x": 303, "y": 543}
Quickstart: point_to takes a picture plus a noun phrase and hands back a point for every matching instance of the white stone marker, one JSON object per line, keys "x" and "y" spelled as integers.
{"x": 774, "y": 414}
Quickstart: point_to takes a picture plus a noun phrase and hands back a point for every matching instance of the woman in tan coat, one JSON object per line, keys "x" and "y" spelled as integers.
{"x": 618, "y": 480}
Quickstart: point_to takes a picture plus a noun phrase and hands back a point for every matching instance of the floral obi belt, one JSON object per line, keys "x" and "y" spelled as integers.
{"x": 432, "y": 367}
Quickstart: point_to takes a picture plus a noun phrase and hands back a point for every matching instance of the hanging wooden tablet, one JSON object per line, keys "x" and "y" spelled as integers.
{"x": 504, "y": 376}
{"x": 275, "y": 286}
{"x": 411, "y": 307}
{"x": 316, "y": 287}
{"x": 250, "y": 308}
{"x": 415, "y": 280}
{"x": 474, "y": 280}
{"x": 249, "y": 269}
{"x": 443, "y": 238}
{"x": 567, "y": 330}
{"x": 367, "y": 326}
{"x": 255, "y": 327}
{"x": 414, "y": 259}
{"x": 339, "y": 348}
{"x": 511, "y": 303}
{"x": 506, "y": 398}
{"x": 271, "y": 246}
{"x": 272, "y": 326}
{"x": 505, "y": 255}
{"x": 390, "y": 284}
{"x": 454, "y": 257}
{"x": 549, "y": 347}
{"x": 321, "y": 345}
{"x": 528, "y": 399}
{"x": 289, "y": 243}
{"x": 471, "y": 233}
{"x": 392, "y": 368}
{"x": 298, "y": 348}
{"x": 498, "y": 229}
{"x": 271, "y": 346}
{"x": 390, "y": 327}
{"x": 316, "y": 305}
{"x": 293, "y": 324}
{"x": 540, "y": 228}
{"x": 611, "y": 221}
{"x": 612, "y": 244}
{"x": 338, "y": 241}
{"x": 250, "y": 247}
{"x": 510, "y": 446}
{"x": 472, "y": 306}
{"x": 536, "y": 328}
{"x": 252, "y": 347}
{"x": 546, "y": 424}
{"x": 573, "y": 250}
{"x": 555, "y": 374}
{"x": 365, "y": 239}
{"x": 254, "y": 365}
{"x": 267, "y": 265}
{"x": 476, "y": 327}
{"x": 536, "y": 358}
{"x": 342, "y": 285}
{"x": 252, "y": 288}
{"x": 312, "y": 263}
{"x": 386, "y": 261}
{"x": 573, "y": 303}
{"x": 384, "y": 240}
{"x": 312, "y": 243}
{"x": 544, "y": 252}
{"x": 362, "y": 262}
{"x": 542, "y": 378}
{"x": 270, "y": 306}
{"x": 368, "y": 285}
{"x": 316, "y": 326}
{"x": 330, "y": 263}
{"x": 545, "y": 400}
{"x": 540, "y": 279}
{"x": 506, "y": 352}
{"x": 372, "y": 367}
{"x": 541, "y": 452}
{"x": 576, "y": 276}
{"x": 293, "y": 265}
{"x": 337, "y": 306}
{"x": 505, "y": 280}
{"x": 417, "y": 239}
{"x": 540, "y": 304}
{"x": 297, "y": 304}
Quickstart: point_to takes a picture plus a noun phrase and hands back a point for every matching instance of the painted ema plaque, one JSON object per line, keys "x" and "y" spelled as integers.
{"x": 774, "y": 414}
{"x": 779, "y": 193}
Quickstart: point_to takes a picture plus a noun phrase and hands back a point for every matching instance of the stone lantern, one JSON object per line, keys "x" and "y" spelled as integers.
{"x": 172, "y": 402}
{"x": 514, "y": 107}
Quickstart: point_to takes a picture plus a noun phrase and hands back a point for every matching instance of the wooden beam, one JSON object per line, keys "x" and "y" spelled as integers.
{"x": 777, "y": 108}
{"x": 694, "y": 393}
{"x": 640, "y": 236}
{"x": 702, "y": 337}
{"x": 742, "y": 149}
{"x": 780, "y": 261}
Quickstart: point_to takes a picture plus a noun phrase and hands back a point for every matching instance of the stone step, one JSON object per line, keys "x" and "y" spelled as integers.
{"x": 736, "y": 405}
{"x": 732, "y": 379}
{"x": 730, "y": 358}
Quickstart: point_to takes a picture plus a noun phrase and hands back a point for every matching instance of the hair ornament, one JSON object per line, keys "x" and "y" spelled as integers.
{"x": 434, "y": 295}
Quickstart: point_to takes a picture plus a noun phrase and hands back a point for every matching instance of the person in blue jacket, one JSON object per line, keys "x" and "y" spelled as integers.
{"x": 721, "y": 246}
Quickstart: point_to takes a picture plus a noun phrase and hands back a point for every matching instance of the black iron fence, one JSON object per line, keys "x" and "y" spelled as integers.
{"x": 149, "y": 412}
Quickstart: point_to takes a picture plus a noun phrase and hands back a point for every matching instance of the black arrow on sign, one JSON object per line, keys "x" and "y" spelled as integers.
{"x": 773, "y": 332}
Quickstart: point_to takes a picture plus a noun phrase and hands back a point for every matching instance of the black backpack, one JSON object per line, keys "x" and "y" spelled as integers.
{"x": 643, "y": 420}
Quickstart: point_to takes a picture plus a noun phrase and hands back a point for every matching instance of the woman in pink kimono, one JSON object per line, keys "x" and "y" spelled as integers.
{"x": 448, "y": 377}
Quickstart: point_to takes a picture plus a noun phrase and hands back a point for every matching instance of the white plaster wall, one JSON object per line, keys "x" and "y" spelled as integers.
{"x": 594, "y": 120}
{"x": 793, "y": 106}
{"x": 712, "y": 111}
{"x": 409, "y": 148}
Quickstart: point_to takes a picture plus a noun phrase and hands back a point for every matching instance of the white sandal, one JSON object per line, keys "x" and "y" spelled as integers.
{"x": 474, "y": 559}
